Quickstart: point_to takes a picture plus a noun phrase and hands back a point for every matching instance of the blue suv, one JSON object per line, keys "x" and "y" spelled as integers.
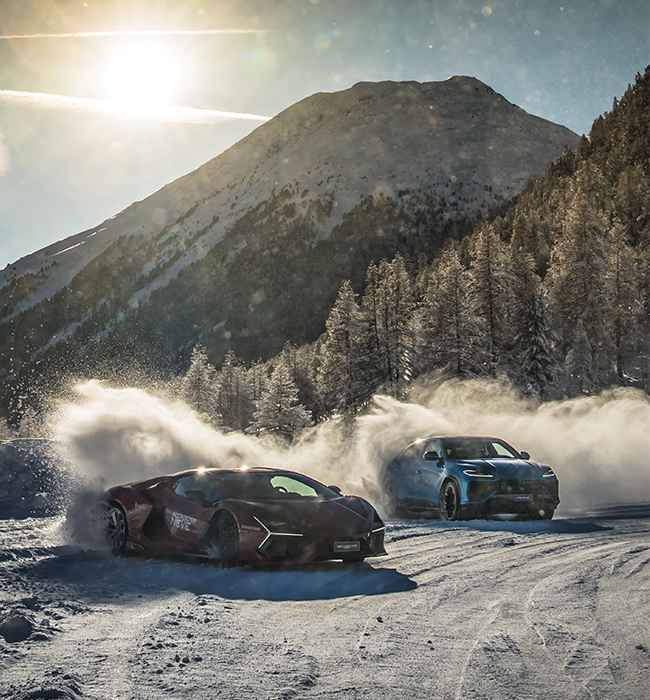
{"x": 463, "y": 477}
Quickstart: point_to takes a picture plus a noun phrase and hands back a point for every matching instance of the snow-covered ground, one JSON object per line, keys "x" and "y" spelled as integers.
{"x": 481, "y": 610}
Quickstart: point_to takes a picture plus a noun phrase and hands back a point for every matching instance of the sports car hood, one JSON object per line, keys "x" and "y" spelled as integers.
{"x": 516, "y": 469}
{"x": 346, "y": 516}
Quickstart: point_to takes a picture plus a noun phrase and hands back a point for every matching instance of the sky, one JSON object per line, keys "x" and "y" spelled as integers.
{"x": 109, "y": 136}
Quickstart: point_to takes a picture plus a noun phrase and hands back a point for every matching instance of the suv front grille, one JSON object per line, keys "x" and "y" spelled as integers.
{"x": 536, "y": 487}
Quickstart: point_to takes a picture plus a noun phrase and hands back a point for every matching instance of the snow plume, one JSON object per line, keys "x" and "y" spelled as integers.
{"x": 599, "y": 446}
{"x": 115, "y": 435}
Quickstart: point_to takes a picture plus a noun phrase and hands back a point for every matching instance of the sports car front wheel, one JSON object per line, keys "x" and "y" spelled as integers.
{"x": 115, "y": 529}
{"x": 223, "y": 538}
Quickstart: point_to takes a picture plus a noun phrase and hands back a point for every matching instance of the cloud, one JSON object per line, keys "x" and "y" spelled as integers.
{"x": 167, "y": 114}
{"x": 130, "y": 33}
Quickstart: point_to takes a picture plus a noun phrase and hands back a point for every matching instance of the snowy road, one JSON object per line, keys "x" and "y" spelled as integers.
{"x": 492, "y": 610}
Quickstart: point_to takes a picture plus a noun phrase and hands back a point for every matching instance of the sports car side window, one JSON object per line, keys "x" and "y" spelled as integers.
{"x": 285, "y": 484}
{"x": 185, "y": 484}
{"x": 199, "y": 488}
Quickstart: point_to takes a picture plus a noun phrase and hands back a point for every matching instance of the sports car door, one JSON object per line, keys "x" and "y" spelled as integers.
{"x": 186, "y": 513}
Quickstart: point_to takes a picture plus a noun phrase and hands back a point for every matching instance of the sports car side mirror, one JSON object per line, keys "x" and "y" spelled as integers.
{"x": 524, "y": 454}
{"x": 336, "y": 489}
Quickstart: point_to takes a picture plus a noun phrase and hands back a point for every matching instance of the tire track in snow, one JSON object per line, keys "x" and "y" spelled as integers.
{"x": 496, "y": 613}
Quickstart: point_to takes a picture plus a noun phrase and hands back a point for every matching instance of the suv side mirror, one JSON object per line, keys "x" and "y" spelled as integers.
{"x": 336, "y": 489}
{"x": 431, "y": 456}
{"x": 524, "y": 455}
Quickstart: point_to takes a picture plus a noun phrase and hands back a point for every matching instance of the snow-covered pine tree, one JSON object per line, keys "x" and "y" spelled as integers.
{"x": 371, "y": 366}
{"x": 279, "y": 411}
{"x": 490, "y": 296}
{"x": 537, "y": 368}
{"x": 631, "y": 201}
{"x": 525, "y": 238}
{"x": 385, "y": 329}
{"x": 575, "y": 280}
{"x": 257, "y": 377}
{"x": 458, "y": 342}
{"x": 427, "y": 324}
{"x": 234, "y": 401}
{"x": 302, "y": 362}
{"x": 198, "y": 386}
{"x": 339, "y": 371}
{"x": 533, "y": 362}
{"x": 401, "y": 300}
{"x": 579, "y": 363}
{"x": 643, "y": 315}
{"x": 622, "y": 296}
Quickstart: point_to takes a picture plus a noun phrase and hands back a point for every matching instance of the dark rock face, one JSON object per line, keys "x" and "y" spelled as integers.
{"x": 33, "y": 479}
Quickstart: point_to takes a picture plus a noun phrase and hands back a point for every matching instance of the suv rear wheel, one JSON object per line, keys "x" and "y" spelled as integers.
{"x": 450, "y": 501}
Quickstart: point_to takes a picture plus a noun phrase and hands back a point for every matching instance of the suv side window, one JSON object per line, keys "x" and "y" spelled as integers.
{"x": 433, "y": 446}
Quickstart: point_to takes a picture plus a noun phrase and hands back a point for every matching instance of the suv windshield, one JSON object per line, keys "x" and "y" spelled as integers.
{"x": 478, "y": 448}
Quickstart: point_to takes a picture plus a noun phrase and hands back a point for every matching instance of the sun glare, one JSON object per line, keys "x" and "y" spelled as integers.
{"x": 141, "y": 78}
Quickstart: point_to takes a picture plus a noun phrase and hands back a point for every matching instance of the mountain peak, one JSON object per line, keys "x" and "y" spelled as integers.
{"x": 470, "y": 82}
{"x": 343, "y": 177}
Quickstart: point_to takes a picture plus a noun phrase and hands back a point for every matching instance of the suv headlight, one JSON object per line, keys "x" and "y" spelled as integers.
{"x": 547, "y": 472}
{"x": 474, "y": 473}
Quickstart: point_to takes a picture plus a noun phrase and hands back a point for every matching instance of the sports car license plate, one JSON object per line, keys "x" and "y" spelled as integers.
{"x": 347, "y": 546}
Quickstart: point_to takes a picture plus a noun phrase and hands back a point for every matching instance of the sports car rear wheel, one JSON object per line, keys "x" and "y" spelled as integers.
{"x": 223, "y": 538}
{"x": 449, "y": 501}
{"x": 116, "y": 530}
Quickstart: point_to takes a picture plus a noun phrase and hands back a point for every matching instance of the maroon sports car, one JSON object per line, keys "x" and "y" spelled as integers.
{"x": 251, "y": 515}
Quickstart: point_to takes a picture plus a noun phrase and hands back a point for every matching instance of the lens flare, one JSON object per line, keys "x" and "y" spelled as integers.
{"x": 141, "y": 78}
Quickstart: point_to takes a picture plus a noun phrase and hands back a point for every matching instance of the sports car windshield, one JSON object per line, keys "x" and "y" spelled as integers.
{"x": 478, "y": 448}
{"x": 263, "y": 485}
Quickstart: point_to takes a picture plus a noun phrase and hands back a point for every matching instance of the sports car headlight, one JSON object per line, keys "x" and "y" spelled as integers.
{"x": 550, "y": 474}
{"x": 477, "y": 475}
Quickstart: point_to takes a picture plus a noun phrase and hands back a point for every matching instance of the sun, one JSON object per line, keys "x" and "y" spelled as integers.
{"x": 141, "y": 78}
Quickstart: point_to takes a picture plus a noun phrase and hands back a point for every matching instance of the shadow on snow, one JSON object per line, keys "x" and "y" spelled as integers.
{"x": 96, "y": 576}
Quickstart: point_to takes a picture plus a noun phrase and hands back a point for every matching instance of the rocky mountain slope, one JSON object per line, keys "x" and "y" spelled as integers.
{"x": 247, "y": 251}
